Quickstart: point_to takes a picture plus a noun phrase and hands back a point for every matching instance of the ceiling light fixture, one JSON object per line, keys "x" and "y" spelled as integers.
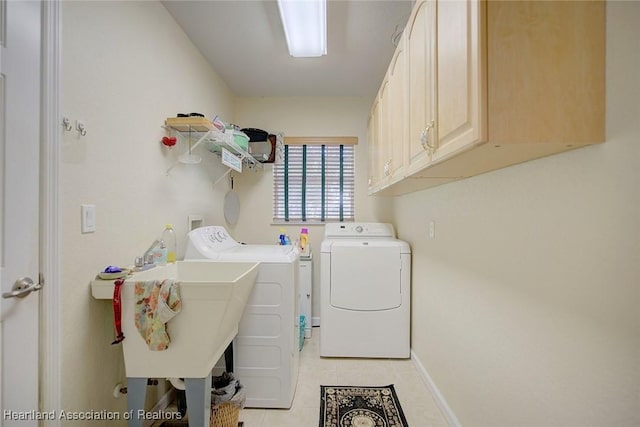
{"x": 305, "y": 26}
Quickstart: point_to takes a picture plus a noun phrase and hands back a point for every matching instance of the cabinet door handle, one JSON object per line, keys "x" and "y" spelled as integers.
{"x": 427, "y": 144}
{"x": 387, "y": 167}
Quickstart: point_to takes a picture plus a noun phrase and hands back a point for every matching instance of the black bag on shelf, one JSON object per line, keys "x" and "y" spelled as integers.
{"x": 255, "y": 135}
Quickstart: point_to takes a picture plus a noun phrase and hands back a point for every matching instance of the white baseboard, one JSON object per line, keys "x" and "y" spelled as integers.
{"x": 315, "y": 321}
{"x": 162, "y": 405}
{"x": 449, "y": 416}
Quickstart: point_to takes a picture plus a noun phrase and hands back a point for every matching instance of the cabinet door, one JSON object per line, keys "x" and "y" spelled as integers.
{"x": 461, "y": 76}
{"x": 397, "y": 114}
{"x": 373, "y": 148}
{"x": 420, "y": 35}
{"x": 383, "y": 134}
{"x": 546, "y": 72}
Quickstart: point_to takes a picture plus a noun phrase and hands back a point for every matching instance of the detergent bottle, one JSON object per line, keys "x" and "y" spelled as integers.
{"x": 169, "y": 239}
{"x": 304, "y": 242}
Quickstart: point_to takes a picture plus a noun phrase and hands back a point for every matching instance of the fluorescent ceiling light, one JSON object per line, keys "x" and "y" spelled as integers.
{"x": 305, "y": 26}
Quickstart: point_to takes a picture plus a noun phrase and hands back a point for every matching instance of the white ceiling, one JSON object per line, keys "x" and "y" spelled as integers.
{"x": 244, "y": 42}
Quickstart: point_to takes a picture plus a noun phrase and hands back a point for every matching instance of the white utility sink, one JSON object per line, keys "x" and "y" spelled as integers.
{"x": 214, "y": 295}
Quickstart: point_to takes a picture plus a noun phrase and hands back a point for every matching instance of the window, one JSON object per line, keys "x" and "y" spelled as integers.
{"x": 315, "y": 182}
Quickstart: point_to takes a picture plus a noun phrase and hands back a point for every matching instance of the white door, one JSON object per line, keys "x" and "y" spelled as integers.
{"x": 20, "y": 40}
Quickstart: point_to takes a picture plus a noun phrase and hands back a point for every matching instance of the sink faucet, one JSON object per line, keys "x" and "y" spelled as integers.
{"x": 148, "y": 257}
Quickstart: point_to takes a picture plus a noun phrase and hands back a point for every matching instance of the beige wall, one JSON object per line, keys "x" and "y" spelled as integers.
{"x": 526, "y": 303}
{"x": 302, "y": 117}
{"x": 126, "y": 66}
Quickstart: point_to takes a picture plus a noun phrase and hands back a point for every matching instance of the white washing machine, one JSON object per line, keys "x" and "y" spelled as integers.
{"x": 265, "y": 351}
{"x": 365, "y": 298}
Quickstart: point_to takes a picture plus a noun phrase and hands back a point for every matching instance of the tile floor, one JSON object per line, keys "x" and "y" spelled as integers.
{"x": 417, "y": 402}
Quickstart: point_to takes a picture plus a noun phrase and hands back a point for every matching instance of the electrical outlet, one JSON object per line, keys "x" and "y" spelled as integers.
{"x": 432, "y": 229}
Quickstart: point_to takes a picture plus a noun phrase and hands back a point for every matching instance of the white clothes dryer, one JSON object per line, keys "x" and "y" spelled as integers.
{"x": 265, "y": 351}
{"x": 365, "y": 293}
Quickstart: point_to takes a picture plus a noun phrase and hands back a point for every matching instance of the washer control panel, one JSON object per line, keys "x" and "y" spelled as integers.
{"x": 217, "y": 235}
{"x": 214, "y": 237}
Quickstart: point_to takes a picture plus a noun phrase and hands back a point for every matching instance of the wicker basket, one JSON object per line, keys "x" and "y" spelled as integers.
{"x": 225, "y": 415}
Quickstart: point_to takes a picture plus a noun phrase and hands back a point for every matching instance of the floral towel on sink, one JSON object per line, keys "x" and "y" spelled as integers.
{"x": 157, "y": 301}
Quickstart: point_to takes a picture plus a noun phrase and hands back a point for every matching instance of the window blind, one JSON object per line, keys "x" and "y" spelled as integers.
{"x": 315, "y": 183}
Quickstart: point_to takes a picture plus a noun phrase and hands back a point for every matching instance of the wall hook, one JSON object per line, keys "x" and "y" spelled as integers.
{"x": 67, "y": 124}
{"x": 81, "y": 128}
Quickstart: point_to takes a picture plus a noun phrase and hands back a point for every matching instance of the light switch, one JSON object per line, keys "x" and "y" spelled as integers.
{"x": 88, "y": 213}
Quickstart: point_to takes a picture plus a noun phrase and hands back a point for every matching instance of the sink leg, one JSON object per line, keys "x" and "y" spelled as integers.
{"x": 198, "y": 401}
{"x": 136, "y": 394}
{"x": 228, "y": 357}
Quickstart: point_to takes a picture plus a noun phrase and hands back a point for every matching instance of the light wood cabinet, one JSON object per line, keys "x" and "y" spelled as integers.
{"x": 461, "y": 76}
{"x": 397, "y": 99}
{"x": 384, "y": 130}
{"x": 387, "y": 126}
{"x": 378, "y": 129}
{"x": 503, "y": 82}
{"x": 420, "y": 34}
{"x": 373, "y": 151}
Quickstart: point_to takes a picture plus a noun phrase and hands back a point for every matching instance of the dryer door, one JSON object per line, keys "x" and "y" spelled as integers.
{"x": 365, "y": 275}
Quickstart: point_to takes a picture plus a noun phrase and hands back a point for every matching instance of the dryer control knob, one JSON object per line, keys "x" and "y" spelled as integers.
{"x": 359, "y": 229}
